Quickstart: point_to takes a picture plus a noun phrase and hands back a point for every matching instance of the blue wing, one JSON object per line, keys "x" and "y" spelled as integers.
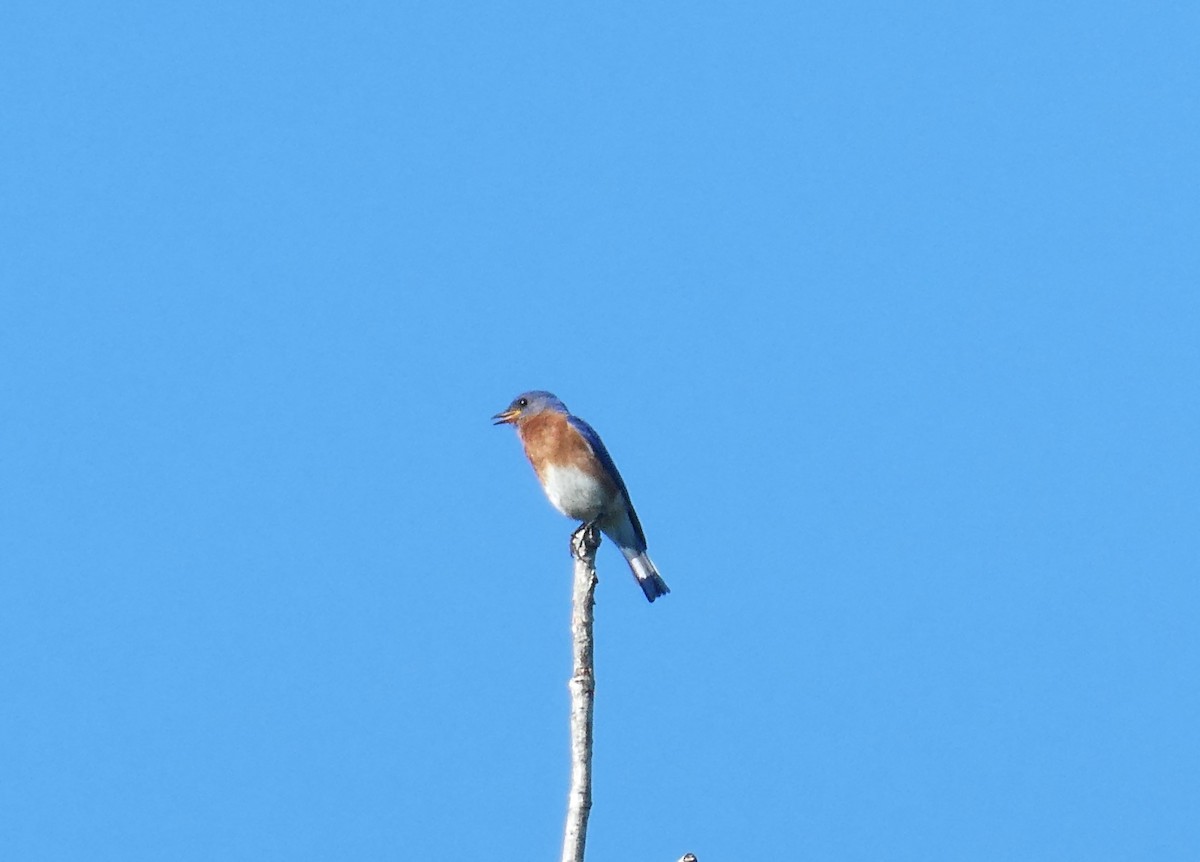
{"x": 593, "y": 439}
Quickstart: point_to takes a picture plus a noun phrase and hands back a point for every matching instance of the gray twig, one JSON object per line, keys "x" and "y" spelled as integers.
{"x": 584, "y": 543}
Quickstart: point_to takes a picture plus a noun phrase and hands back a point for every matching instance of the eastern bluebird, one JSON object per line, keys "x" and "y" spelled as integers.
{"x": 580, "y": 478}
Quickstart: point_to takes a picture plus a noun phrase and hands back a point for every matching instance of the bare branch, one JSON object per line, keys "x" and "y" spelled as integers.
{"x": 584, "y": 543}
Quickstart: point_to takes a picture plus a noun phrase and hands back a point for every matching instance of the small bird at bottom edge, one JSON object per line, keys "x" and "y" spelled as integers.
{"x": 580, "y": 478}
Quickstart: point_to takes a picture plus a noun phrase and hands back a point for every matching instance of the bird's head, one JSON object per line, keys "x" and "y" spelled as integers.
{"x": 527, "y": 405}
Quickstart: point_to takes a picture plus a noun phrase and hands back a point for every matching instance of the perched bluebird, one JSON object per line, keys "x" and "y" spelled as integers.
{"x": 580, "y": 478}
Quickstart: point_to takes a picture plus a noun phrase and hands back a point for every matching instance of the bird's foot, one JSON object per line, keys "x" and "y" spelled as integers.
{"x": 586, "y": 539}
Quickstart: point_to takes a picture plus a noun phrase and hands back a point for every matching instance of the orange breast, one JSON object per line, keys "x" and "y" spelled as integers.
{"x": 548, "y": 439}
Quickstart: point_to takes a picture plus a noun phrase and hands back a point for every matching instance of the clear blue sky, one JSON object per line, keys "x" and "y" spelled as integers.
{"x": 889, "y": 315}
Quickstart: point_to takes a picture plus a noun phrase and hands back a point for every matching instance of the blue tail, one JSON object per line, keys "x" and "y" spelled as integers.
{"x": 647, "y": 576}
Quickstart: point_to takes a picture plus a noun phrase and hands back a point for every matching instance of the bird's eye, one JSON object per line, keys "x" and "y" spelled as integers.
{"x": 522, "y": 402}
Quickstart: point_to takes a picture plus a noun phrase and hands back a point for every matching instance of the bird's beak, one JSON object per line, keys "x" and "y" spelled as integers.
{"x": 508, "y": 417}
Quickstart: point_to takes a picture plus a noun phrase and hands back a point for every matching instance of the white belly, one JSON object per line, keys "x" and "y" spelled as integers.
{"x": 575, "y": 493}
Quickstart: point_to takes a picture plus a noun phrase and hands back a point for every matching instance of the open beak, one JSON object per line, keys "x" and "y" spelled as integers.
{"x": 508, "y": 417}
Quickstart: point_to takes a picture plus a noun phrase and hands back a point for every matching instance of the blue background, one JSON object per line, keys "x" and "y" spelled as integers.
{"x": 888, "y": 313}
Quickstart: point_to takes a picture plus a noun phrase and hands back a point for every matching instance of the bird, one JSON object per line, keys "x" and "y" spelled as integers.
{"x": 580, "y": 478}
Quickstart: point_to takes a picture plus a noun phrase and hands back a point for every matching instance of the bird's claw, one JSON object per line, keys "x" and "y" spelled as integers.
{"x": 586, "y": 539}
